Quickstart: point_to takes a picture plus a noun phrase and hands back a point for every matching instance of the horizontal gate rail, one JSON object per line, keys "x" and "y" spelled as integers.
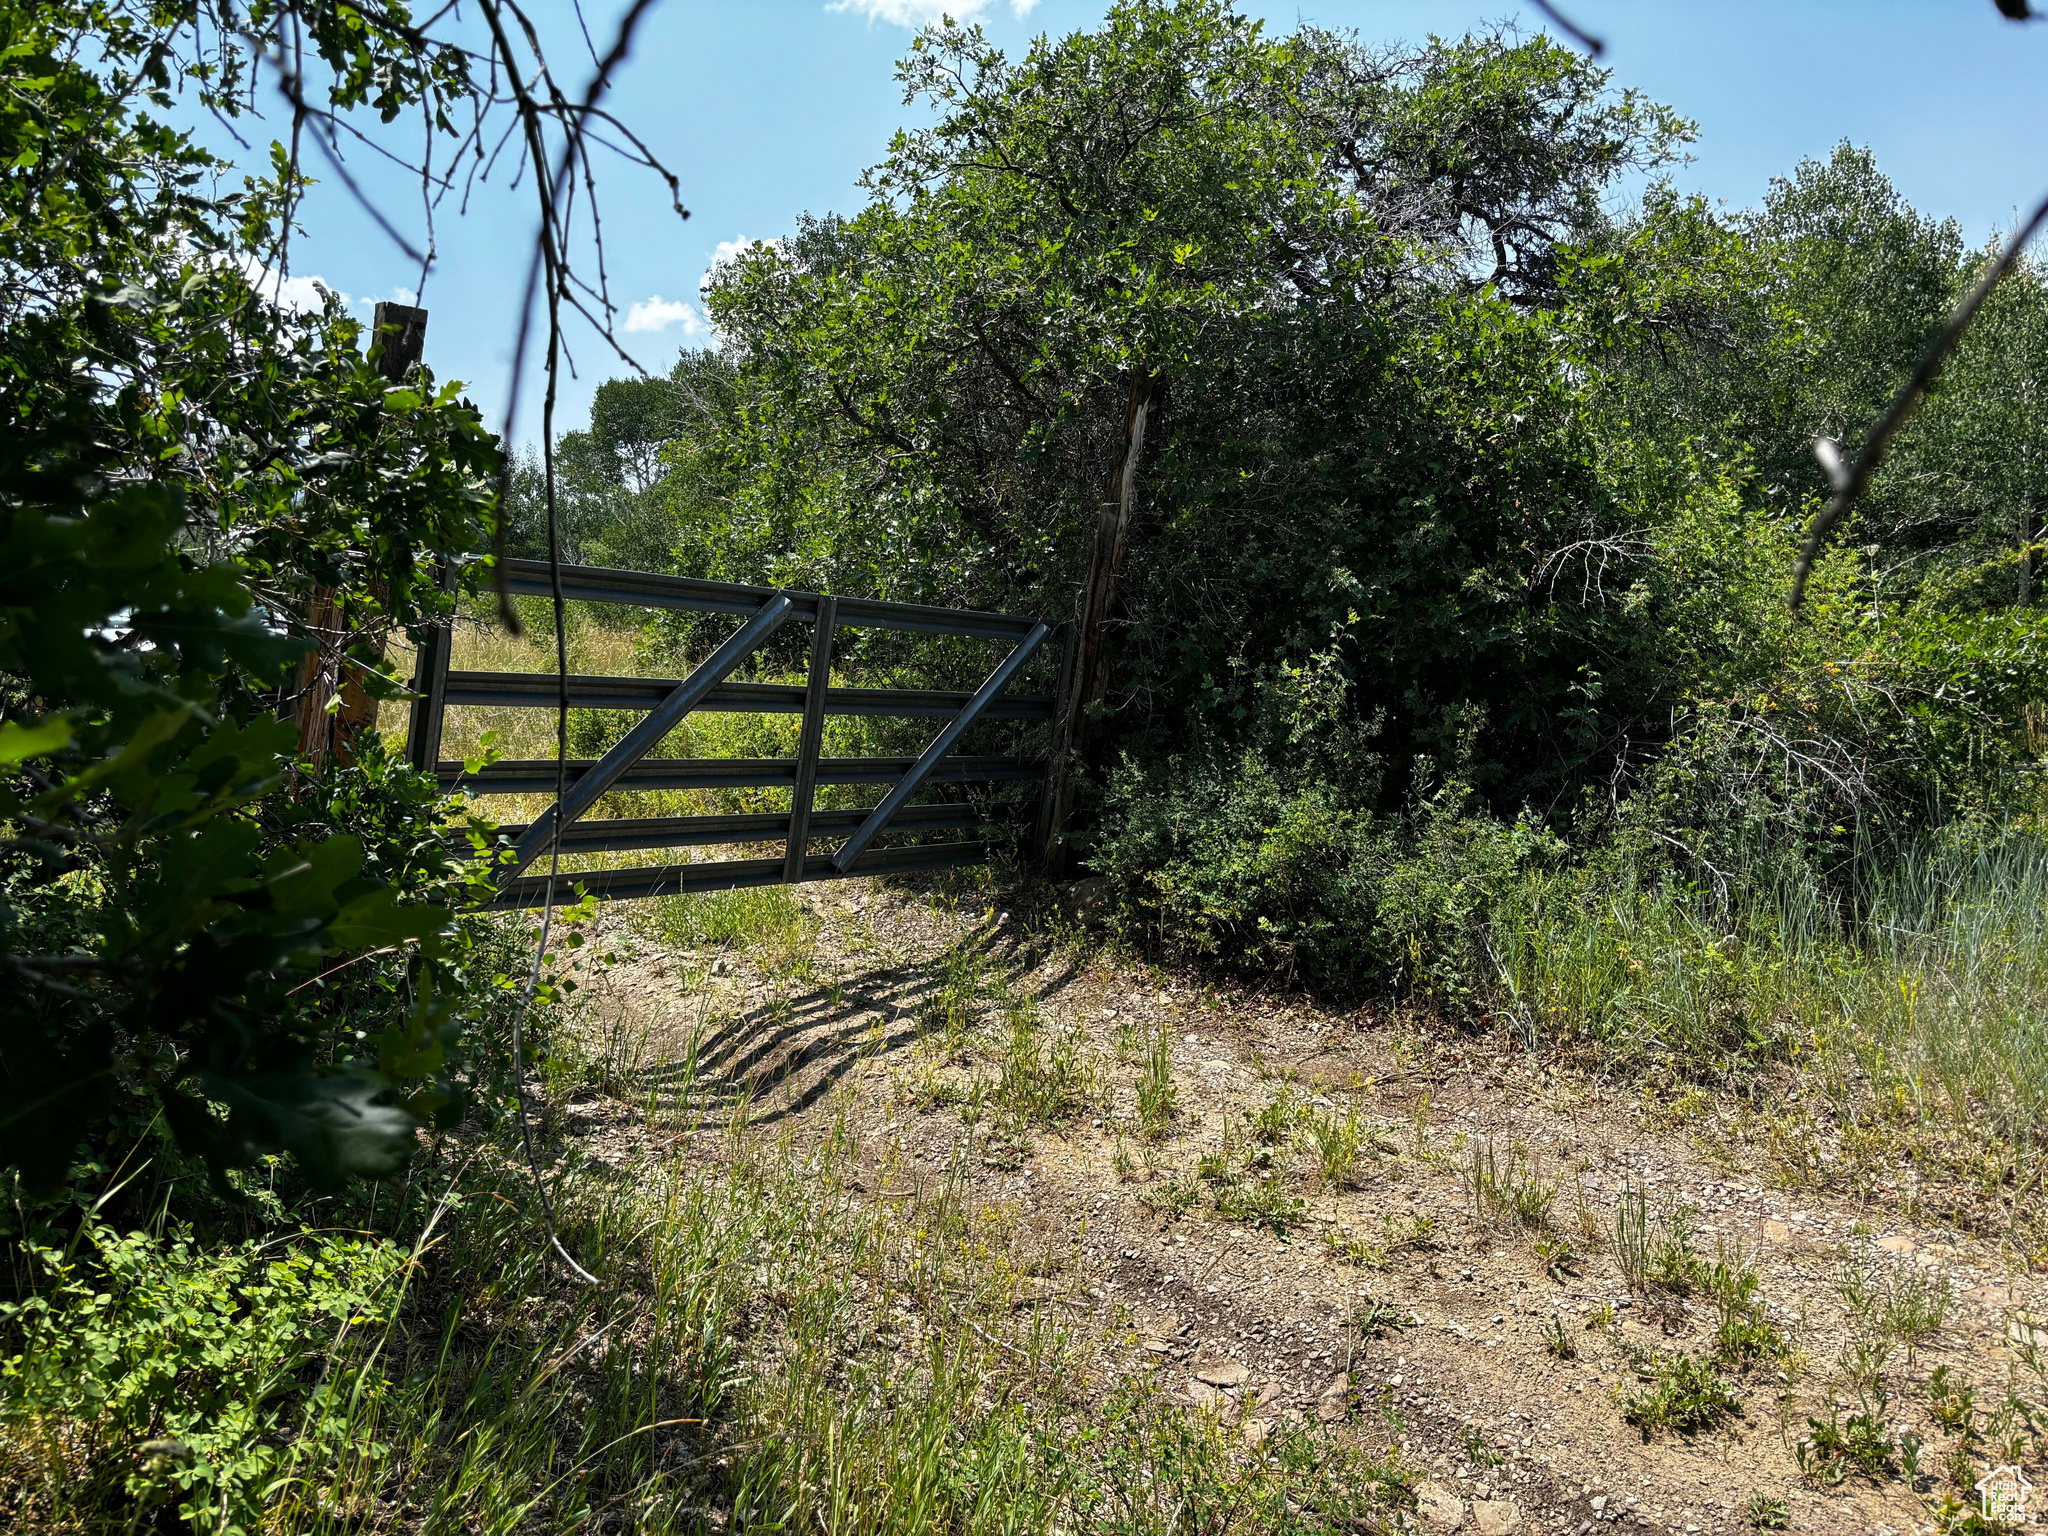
{"x": 657, "y": 723}
{"x": 642, "y": 589}
{"x": 736, "y": 874}
{"x": 664, "y": 703}
{"x": 618, "y": 834}
{"x": 536, "y": 776}
{"x": 537, "y": 690}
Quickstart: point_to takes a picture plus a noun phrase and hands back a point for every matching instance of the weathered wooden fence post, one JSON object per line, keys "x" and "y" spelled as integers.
{"x": 399, "y": 334}
{"x": 1089, "y": 661}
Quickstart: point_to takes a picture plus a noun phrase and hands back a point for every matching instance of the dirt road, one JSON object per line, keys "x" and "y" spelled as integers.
{"x": 1400, "y": 1231}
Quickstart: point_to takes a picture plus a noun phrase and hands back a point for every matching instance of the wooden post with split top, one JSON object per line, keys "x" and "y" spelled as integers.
{"x": 1087, "y": 682}
{"x": 399, "y": 335}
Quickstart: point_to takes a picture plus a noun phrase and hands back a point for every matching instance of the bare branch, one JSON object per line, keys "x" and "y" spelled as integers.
{"x": 1578, "y": 34}
{"x": 1851, "y": 480}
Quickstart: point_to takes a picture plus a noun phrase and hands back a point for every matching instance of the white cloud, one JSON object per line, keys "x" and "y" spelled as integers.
{"x": 922, "y": 13}
{"x": 298, "y": 295}
{"x": 726, "y": 250}
{"x": 307, "y": 295}
{"x": 910, "y": 13}
{"x": 658, "y": 314}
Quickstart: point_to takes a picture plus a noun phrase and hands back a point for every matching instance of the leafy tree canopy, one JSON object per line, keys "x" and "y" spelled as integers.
{"x": 186, "y": 470}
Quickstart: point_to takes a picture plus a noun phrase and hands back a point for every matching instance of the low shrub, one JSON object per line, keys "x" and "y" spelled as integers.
{"x": 151, "y": 1372}
{"x": 1240, "y": 861}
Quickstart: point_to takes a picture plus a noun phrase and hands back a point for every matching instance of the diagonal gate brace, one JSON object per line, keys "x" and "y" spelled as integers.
{"x": 878, "y": 819}
{"x": 645, "y": 736}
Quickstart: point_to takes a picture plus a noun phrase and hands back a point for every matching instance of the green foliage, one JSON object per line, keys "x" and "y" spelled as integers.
{"x": 1249, "y": 1183}
{"x": 1273, "y": 1125}
{"x": 1235, "y": 862}
{"x": 1655, "y": 1248}
{"x": 1916, "y": 1305}
{"x": 1743, "y": 1331}
{"x": 1557, "y": 1343}
{"x": 1952, "y": 1402}
{"x": 1681, "y": 1394}
{"x": 1765, "y": 1512}
{"x": 636, "y": 489}
{"x": 1373, "y": 1316}
{"x": 1174, "y": 1197}
{"x": 1158, "y": 1095}
{"x": 752, "y": 918}
{"x": 1832, "y": 1448}
{"x": 1542, "y": 465}
{"x": 931, "y": 390}
{"x": 1508, "y": 1191}
{"x": 1415, "y": 1234}
{"x": 172, "y": 881}
{"x": 1044, "y": 1079}
{"x": 1558, "y": 1256}
{"x": 147, "y": 763}
{"x": 1339, "y": 1140}
{"x": 175, "y": 1376}
{"x": 1452, "y": 664}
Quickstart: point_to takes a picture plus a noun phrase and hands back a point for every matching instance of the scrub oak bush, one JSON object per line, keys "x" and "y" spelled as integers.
{"x": 1241, "y": 861}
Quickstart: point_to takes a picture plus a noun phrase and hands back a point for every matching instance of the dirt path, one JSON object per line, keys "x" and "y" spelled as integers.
{"x": 1494, "y": 1343}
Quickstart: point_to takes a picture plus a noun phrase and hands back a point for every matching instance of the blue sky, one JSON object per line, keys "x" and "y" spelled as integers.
{"x": 768, "y": 109}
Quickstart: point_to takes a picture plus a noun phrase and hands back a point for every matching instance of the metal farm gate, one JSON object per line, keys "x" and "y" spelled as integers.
{"x": 627, "y": 766}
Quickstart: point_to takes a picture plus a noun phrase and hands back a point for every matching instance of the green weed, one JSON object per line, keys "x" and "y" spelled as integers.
{"x": 1952, "y": 1402}
{"x": 953, "y": 1006}
{"x": 1743, "y": 1331}
{"x": 1477, "y": 1450}
{"x": 1558, "y": 1343}
{"x": 1864, "y": 1362}
{"x": 1121, "y": 1163}
{"x": 1508, "y": 1191}
{"x": 2015, "y": 1427}
{"x": 1157, "y": 1094}
{"x": 1172, "y": 1197}
{"x": 1248, "y": 1183}
{"x": 1558, "y": 1256}
{"x": 1354, "y": 1250}
{"x": 1373, "y": 1316}
{"x": 135, "y": 1340}
{"x": 1833, "y": 1448}
{"x": 1273, "y": 1126}
{"x": 1681, "y": 1394}
{"x": 1655, "y": 1249}
{"x": 1338, "y": 1142}
{"x": 1129, "y": 1041}
{"x": 1416, "y": 1233}
{"x": 1915, "y": 1305}
{"x": 1860, "y": 1284}
{"x": 1765, "y": 1512}
{"x": 1044, "y": 1079}
{"x": 1941, "y": 961}
{"x": 1261, "y": 1200}
{"x": 769, "y": 923}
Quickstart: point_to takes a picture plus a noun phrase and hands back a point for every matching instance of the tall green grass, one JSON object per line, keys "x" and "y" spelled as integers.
{"x": 1920, "y": 995}
{"x": 795, "y": 1333}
